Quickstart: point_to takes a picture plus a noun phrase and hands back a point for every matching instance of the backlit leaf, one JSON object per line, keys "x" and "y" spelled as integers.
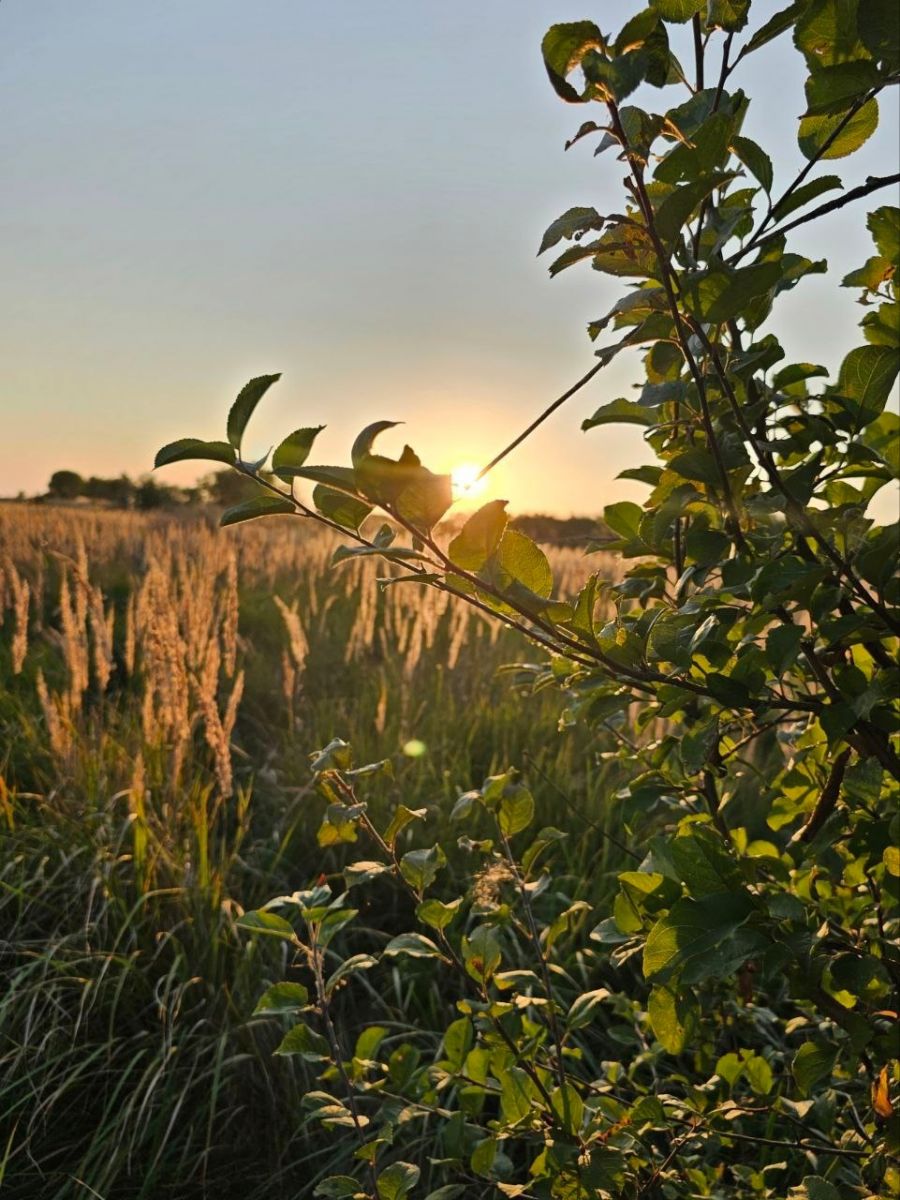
{"x": 188, "y": 449}
{"x": 242, "y": 409}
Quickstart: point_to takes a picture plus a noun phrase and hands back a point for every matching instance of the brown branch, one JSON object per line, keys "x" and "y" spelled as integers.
{"x": 637, "y": 173}
{"x": 793, "y": 508}
{"x": 872, "y": 184}
{"x": 548, "y": 411}
{"x": 828, "y": 798}
{"x": 802, "y": 174}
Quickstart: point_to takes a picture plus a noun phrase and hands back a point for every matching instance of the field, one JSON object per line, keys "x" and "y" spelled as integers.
{"x": 163, "y": 685}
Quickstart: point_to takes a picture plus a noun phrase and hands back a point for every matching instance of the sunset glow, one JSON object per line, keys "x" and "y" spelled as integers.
{"x": 465, "y": 481}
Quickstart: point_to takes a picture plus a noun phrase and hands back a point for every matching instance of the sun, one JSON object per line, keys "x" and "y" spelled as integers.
{"x": 465, "y": 481}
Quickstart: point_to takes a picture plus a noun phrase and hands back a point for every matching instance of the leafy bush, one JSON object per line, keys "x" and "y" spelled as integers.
{"x": 728, "y": 1026}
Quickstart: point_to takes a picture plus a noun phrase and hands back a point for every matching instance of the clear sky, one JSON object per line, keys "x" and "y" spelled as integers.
{"x": 351, "y": 192}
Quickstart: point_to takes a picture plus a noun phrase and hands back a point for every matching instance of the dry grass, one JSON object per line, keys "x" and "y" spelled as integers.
{"x": 161, "y": 685}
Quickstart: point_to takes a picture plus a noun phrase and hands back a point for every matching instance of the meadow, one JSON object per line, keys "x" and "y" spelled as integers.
{"x": 162, "y": 686}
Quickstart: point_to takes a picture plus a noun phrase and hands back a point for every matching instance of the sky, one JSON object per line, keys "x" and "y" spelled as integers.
{"x": 352, "y": 193}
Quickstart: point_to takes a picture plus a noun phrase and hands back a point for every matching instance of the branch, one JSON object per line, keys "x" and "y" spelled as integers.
{"x": 733, "y": 523}
{"x": 576, "y": 387}
{"x": 802, "y": 174}
{"x": 872, "y": 184}
{"x": 825, "y": 805}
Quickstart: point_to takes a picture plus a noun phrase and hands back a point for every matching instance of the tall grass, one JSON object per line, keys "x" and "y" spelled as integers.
{"x": 162, "y": 686}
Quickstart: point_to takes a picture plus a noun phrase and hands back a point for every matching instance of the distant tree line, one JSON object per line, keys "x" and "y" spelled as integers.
{"x": 224, "y": 488}
{"x": 218, "y": 488}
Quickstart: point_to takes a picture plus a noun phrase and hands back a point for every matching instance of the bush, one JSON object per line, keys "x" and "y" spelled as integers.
{"x": 726, "y": 1026}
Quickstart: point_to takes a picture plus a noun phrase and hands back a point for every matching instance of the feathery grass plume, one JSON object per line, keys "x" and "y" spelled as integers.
{"x": 74, "y": 639}
{"x": 230, "y": 616}
{"x": 102, "y": 621}
{"x": 57, "y": 717}
{"x": 297, "y": 639}
{"x": 21, "y": 594}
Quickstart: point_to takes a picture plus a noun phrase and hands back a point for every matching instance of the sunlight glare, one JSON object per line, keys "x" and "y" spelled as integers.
{"x": 465, "y": 481}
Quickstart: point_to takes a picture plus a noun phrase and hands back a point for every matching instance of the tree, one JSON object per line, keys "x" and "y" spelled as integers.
{"x": 227, "y": 487}
{"x": 743, "y": 1043}
{"x": 65, "y": 485}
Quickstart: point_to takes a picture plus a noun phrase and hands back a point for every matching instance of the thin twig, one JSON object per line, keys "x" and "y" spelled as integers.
{"x": 548, "y": 411}
{"x": 872, "y": 184}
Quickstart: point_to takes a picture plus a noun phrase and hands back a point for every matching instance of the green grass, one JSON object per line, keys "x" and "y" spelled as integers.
{"x": 130, "y": 1063}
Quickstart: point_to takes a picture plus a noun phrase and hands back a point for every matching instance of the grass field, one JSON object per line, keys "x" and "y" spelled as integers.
{"x": 162, "y": 685}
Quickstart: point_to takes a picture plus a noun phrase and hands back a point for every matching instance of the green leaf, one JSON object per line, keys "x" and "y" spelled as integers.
{"x": 823, "y": 137}
{"x": 515, "y": 1094}
{"x": 861, "y": 975}
{"x": 362, "y": 872}
{"x": 563, "y": 48}
{"x": 396, "y": 1181}
{"x": 866, "y": 377}
{"x": 337, "y": 1187}
{"x": 341, "y": 479}
{"x": 420, "y": 867}
{"x": 814, "y": 1187}
{"x": 678, "y": 11}
{"x": 479, "y": 537}
{"x": 414, "y": 945}
{"x": 583, "y": 1008}
{"x": 269, "y": 923}
{"x": 362, "y": 446}
{"x": 884, "y": 226}
{"x": 673, "y": 1017}
{"x": 802, "y": 195}
{"x": 834, "y": 89}
{"x": 702, "y": 862}
{"x": 350, "y": 966}
{"x": 696, "y": 464}
{"x": 339, "y": 507}
{"x": 568, "y": 1106}
{"x": 758, "y": 1074}
{"x": 826, "y": 33}
{"x": 188, "y": 449}
{"x": 402, "y": 817}
{"x": 294, "y": 450}
{"x": 572, "y": 224}
{"x": 457, "y": 1042}
{"x": 619, "y": 76}
{"x": 754, "y": 159}
{"x": 481, "y": 953}
{"x": 812, "y": 1064}
{"x": 703, "y": 939}
{"x": 282, "y": 998}
{"x": 783, "y": 647}
{"x": 622, "y": 412}
{"x": 483, "y": 1155}
{"x": 242, "y": 409}
{"x": 724, "y": 294}
{"x": 436, "y": 914}
{"x": 879, "y": 29}
{"x": 520, "y": 560}
{"x": 730, "y": 15}
{"x": 258, "y": 506}
{"x": 424, "y": 498}
{"x": 796, "y": 373}
{"x": 776, "y": 25}
{"x": 681, "y": 203}
{"x": 516, "y": 810}
{"x": 624, "y": 518}
{"x": 875, "y": 271}
{"x": 306, "y": 1043}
